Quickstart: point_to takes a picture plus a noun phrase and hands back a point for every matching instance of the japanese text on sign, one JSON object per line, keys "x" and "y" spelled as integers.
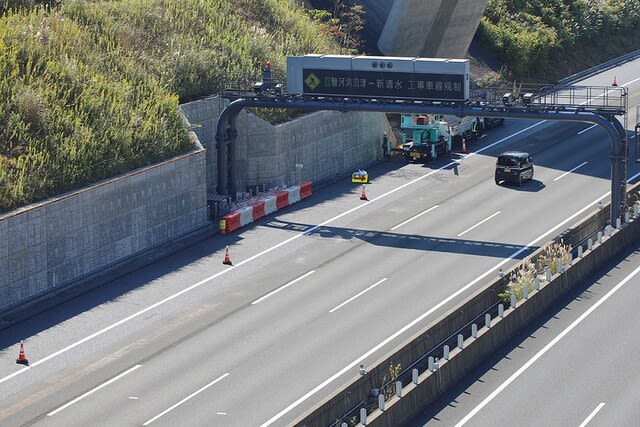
{"x": 397, "y": 85}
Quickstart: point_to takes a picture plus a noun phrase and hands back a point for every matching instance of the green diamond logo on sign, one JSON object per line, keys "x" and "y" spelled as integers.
{"x": 312, "y": 81}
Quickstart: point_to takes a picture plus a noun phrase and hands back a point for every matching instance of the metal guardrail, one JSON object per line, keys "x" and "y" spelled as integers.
{"x": 608, "y": 100}
{"x": 600, "y": 68}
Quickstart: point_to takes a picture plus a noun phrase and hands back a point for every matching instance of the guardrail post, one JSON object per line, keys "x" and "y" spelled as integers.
{"x": 599, "y": 236}
{"x": 381, "y": 401}
{"x": 607, "y": 231}
{"x": 560, "y": 265}
{"x": 536, "y": 283}
{"x": 460, "y": 342}
{"x": 619, "y": 223}
{"x": 363, "y": 416}
{"x": 446, "y": 352}
{"x": 635, "y": 210}
{"x": 414, "y": 376}
{"x": 474, "y": 330}
{"x": 547, "y": 274}
{"x": 344, "y": 425}
{"x": 580, "y": 251}
{"x": 590, "y": 244}
{"x": 525, "y": 292}
{"x": 501, "y": 310}
{"x": 430, "y": 361}
{"x": 514, "y": 301}
{"x": 626, "y": 218}
{"x": 487, "y": 320}
{"x": 399, "y": 388}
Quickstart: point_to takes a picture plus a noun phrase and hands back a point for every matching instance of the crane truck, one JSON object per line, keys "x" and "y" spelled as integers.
{"x": 429, "y": 138}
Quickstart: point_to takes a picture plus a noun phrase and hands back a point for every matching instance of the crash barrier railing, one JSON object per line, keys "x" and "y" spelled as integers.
{"x": 371, "y": 395}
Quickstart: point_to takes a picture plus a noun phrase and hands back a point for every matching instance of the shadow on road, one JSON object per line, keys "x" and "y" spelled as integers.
{"x": 409, "y": 241}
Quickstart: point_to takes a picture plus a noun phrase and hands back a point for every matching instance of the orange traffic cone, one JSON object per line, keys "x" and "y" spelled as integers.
{"x": 464, "y": 146}
{"x": 363, "y": 195}
{"x": 22, "y": 359}
{"x": 615, "y": 82}
{"x": 227, "y": 260}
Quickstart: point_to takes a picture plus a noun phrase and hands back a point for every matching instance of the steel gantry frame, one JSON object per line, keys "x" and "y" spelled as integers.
{"x": 556, "y": 104}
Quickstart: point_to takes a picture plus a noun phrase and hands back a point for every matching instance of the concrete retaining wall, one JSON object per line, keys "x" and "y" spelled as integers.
{"x": 316, "y": 147}
{"x": 415, "y": 398}
{"x": 62, "y": 240}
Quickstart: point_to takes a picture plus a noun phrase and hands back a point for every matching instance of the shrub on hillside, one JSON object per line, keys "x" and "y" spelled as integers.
{"x": 528, "y": 35}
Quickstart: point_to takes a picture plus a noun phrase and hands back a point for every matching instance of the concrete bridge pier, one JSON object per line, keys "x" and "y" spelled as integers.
{"x": 426, "y": 28}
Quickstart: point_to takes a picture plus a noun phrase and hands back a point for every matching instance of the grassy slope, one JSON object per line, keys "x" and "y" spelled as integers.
{"x": 91, "y": 89}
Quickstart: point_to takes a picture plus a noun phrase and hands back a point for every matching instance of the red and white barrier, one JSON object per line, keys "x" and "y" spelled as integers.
{"x": 265, "y": 206}
{"x": 282, "y": 199}
{"x": 305, "y": 190}
{"x": 270, "y": 205}
{"x": 294, "y": 194}
{"x": 246, "y": 215}
{"x": 258, "y": 209}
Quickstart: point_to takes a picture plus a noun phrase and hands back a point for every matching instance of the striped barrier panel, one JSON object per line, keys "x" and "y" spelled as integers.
{"x": 282, "y": 199}
{"x": 270, "y": 205}
{"x": 305, "y": 190}
{"x": 258, "y": 209}
{"x": 294, "y": 194}
{"x": 246, "y": 215}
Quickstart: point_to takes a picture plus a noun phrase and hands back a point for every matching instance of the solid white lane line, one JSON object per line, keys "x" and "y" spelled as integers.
{"x": 251, "y": 258}
{"x": 568, "y": 172}
{"x": 592, "y": 414}
{"x": 547, "y": 347}
{"x": 195, "y": 393}
{"x": 413, "y": 217}
{"x": 283, "y": 287}
{"x": 480, "y": 223}
{"x": 90, "y": 392}
{"x": 358, "y": 295}
{"x": 584, "y": 130}
{"x": 632, "y": 81}
{"x": 427, "y": 313}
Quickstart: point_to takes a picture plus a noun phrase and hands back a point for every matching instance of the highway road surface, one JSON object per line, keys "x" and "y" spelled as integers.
{"x": 315, "y": 290}
{"x": 576, "y": 367}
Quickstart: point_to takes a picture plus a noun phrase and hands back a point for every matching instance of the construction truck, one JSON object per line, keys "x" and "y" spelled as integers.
{"x": 429, "y": 138}
{"x": 459, "y": 128}
{"x": 470, "y": 128}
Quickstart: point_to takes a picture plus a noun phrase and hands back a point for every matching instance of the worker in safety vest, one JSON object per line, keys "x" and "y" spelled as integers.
{"x": 386, "y": 146}
{"x": 474, "y": 131}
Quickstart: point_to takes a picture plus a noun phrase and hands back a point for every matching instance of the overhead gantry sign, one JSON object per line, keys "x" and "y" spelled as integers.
{"x": 408, "y": 85}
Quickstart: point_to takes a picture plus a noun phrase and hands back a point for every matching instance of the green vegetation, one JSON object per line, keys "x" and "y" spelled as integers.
{"x": 90, "y": 89}
{"x": 529, "y": 35}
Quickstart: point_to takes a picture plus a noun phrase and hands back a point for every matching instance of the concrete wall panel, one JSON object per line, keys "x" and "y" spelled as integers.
{"x": 62, "y": 240}
{"x": 326, "y": 143}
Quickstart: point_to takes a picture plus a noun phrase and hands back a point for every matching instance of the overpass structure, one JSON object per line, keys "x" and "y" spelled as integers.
{"x": 589, "y": 104}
